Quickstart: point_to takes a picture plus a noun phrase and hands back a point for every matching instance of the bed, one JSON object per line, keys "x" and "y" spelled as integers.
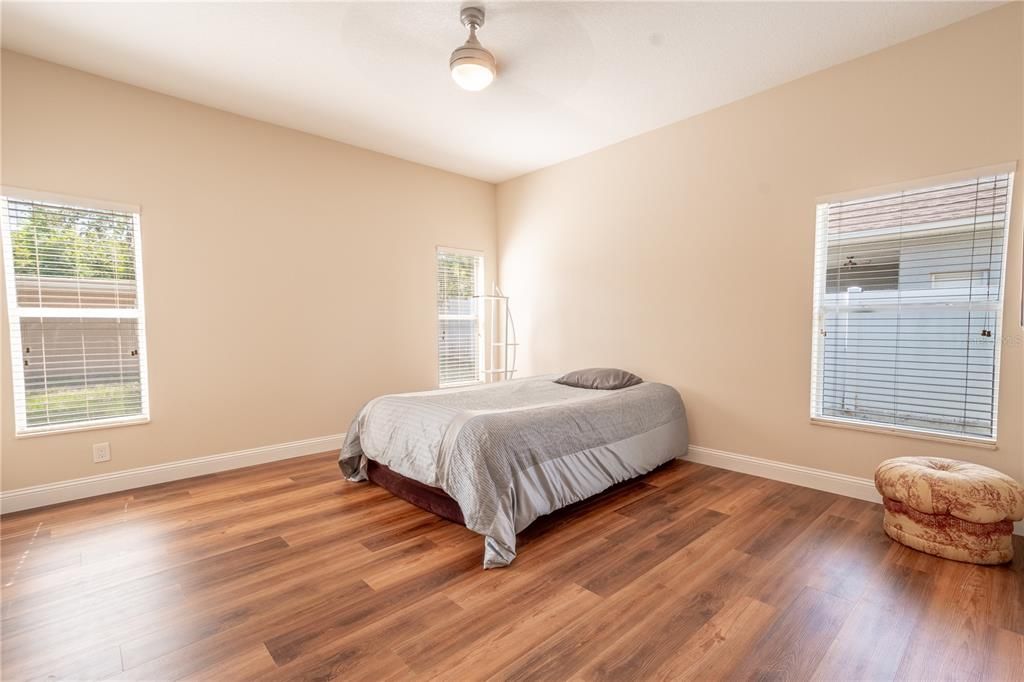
{"x": 509, "y": 452}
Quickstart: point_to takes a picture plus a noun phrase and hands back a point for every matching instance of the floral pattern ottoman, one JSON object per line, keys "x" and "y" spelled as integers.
{"x": 949, "y": 508}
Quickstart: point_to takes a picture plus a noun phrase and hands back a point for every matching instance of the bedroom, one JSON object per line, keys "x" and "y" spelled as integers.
{"x": 294, "y": 185}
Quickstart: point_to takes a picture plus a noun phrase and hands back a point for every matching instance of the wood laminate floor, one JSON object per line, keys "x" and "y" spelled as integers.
{"x": 285, "y": 571}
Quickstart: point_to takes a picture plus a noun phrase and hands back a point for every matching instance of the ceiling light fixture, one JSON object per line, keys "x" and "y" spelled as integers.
{"x": 472, "y": 66}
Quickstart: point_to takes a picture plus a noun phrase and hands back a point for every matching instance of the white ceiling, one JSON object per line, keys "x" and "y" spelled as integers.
{"x": 572, "y": 77}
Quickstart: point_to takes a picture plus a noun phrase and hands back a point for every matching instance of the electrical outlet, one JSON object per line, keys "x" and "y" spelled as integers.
{"x": 101, "y": 452}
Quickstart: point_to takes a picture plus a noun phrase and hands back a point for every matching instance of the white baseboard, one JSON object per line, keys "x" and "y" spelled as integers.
{"x": 90, "y": 486}
{"x": 819, "y": 479}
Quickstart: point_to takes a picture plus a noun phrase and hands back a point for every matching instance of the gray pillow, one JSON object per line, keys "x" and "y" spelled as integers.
{"x": 604, "y": 378}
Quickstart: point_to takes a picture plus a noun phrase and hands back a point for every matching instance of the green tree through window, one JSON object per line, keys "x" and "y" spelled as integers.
{"x": 55, "y": 241}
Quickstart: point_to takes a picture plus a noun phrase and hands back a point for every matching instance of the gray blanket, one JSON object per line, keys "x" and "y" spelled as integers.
{"x": 510, "y": 452}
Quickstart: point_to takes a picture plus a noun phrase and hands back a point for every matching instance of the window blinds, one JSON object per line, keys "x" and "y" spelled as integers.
{"x": 75, "y": 307}
{"x": 459, "y": 339}
{"x": 908, "y": 305}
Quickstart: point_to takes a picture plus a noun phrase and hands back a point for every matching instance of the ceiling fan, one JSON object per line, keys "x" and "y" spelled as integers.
{"x": 472, "y": 66}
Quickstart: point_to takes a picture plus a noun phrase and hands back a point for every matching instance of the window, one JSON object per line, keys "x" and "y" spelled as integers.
{"x": 74, "y": 300}
{"x": 908, "y": 303}
{"x": 460, "y": 279}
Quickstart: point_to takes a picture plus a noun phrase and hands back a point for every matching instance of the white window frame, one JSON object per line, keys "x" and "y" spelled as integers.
{"x": 15, "y": 312}
{"x": 438, "y": 317}
{"x": 820, "y": 268}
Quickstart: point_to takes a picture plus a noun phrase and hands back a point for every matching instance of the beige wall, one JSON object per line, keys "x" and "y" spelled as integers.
{"x": 288, "y": 278}
{"x": 686, "y": 254}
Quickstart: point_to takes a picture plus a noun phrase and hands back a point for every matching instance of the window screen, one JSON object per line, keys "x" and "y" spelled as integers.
{"x": 75, "y": 306}
{"x": 459, "y": 339}
{"x": 908, "y": 305}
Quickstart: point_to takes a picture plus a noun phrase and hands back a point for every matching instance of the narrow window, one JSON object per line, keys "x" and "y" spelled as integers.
{"x": 74, "y": 300}
{"x": 460, "y": 277}
{"x": 908, "y": 307}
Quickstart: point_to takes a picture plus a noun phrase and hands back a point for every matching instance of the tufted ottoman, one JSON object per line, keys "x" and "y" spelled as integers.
{"x": 950, "y": 509}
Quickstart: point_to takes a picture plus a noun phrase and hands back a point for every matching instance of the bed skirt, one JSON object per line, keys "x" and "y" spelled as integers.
{"x": 434, "y": 500}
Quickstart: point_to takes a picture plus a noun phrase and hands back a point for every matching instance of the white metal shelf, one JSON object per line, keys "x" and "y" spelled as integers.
{"x": 500, "y": 360}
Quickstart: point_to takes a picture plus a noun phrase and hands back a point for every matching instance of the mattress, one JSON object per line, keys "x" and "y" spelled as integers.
{"x": 510, "y": 452}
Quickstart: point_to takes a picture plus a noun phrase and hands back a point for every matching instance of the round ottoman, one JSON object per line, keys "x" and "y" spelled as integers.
{"x": 949, "y": 508}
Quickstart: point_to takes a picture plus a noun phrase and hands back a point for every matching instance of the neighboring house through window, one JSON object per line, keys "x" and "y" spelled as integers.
{"x": 73, "y": 277}
{"x": 908, "y": 307}
{"x": 460, "y": 277}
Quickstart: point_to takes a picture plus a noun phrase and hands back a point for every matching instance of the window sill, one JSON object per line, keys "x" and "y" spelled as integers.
{"x": 461, "y": 384}
{"x": 52, "y": 431}
{"x": 905, "y": 432}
